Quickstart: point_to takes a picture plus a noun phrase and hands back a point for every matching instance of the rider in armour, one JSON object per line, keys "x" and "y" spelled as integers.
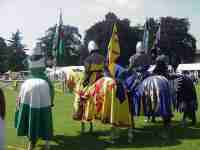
{"x": 94, "y": 64}
{"x": 140, "y": 61}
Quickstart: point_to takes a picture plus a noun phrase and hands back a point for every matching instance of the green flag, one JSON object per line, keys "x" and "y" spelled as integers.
{"x": 58, "y": 45}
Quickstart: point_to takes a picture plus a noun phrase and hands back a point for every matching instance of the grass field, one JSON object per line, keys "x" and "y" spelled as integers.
{"x": 67, "y": 135}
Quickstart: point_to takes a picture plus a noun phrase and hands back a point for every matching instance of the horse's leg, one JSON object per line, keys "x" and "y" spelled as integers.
{"x": 130, "y": 134}
{"x": 113, "y": 134}
{"x": 193, "y": 117}
{"x": 167, "y": 127}
{"x": 32, "y": 144}
{"x": 153, "y": 109}
{"x": 131, "y": 130}
{"x": 91, "y": 127}
{"x": 183, "y": 122}
{"x": 153, "y": 119}
{"x": 82, "y": 127}
{"x": 131, "y": 111}
{"x": 47, "y": 145}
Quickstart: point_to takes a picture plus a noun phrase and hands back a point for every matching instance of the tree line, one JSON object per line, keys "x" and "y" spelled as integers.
{"x": 175, "y": 40}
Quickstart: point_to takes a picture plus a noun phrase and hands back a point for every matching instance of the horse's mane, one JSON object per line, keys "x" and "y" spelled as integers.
{"x": 2, "y": 105}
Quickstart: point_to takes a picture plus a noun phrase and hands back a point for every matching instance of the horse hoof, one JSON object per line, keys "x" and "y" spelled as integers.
{"x": 47, "y": 147}
{"x": 194, "y": 122}
{"x": 183, "y": 124}
{"x": 30, "y": 147}
{"x": 130, "y": 141}
{"x": 164, "y": 136}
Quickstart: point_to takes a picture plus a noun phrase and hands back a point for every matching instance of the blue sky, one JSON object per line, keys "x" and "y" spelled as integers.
{"x": 33, "y": 17}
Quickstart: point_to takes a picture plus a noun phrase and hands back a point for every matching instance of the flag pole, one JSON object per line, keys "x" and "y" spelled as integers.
{"x": 56, "y": 41}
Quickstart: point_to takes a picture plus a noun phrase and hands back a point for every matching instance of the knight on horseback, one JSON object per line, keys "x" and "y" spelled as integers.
{"x": 34, "y": 103}
{"x": 94, "y": 70}
{"x": 140, "y": 63}
{"x": 96, "y": 97}
{"x": 152, "y": 89}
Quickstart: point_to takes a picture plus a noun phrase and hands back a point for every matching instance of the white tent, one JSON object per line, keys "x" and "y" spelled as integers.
{"x": 152, "y": 67}
{"x": 188, "y": 67}
{"x": 60, "y": 72}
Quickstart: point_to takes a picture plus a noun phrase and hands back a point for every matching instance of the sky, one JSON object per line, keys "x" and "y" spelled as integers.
{"x": 33, "y": 17}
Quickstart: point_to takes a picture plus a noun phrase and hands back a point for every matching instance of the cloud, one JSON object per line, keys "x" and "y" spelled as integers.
{"x": 122, "y": 2}
{"x": 6, "y": 2}
{"x": 118, "y": 2}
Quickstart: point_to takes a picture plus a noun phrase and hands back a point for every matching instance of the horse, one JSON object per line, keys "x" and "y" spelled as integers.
{"x": 2, "y": 117}
{"x": 150, "y": 94}
{"x": 179, "y": 88}
{"x": 99, "y": 102}
{"x": 72, "y": 77}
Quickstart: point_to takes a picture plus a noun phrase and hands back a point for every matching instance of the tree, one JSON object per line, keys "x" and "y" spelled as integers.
{"x": 71, "y": 40}
{"x": 17, "y": 55}
{"x": 174, "y": 40}
{"x": 83, "y": 54}
{"x": 3, "y": 55}
{"x": 128, "y": 36}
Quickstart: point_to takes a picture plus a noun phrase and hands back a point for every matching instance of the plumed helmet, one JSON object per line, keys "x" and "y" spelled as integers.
{"x": 36, "y": 57}
{"x": 139, "y": 48}
{"x": 92, "y": 46}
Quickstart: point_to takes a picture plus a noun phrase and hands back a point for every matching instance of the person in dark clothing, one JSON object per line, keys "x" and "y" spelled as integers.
{"x": 187, "y": 98}
{"x": 161, "y": 63}
{"x": 2, "y": 105}
{"x": 2, "y": 118}
{"x": 153, "y": 55}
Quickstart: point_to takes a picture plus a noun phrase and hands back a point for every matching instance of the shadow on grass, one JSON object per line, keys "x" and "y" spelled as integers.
{"x": 149, "y": 136}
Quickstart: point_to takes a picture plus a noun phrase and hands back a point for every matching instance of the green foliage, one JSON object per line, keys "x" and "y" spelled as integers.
{"x": 128, "y": 36}
{"x": 175, "y": 40}
{"x": 3, "y": 55}
{"x": 16, "y": 52}
{"x": 71, "y": 40}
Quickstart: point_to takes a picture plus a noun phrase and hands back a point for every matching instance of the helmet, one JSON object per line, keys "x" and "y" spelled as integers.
{"x": 92, "y": 46}
{"x": 36, "y": 57}
{"x": 139, "y": 48}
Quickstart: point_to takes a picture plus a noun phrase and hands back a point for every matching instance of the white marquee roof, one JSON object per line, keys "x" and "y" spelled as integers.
{"x": 189, "y": 67}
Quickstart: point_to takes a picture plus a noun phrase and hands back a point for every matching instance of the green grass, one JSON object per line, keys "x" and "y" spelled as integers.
{"x": 68, "y": 137}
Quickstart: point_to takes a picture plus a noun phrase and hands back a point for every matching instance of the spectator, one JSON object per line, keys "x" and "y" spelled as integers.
{"x": 2, "y": 117}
